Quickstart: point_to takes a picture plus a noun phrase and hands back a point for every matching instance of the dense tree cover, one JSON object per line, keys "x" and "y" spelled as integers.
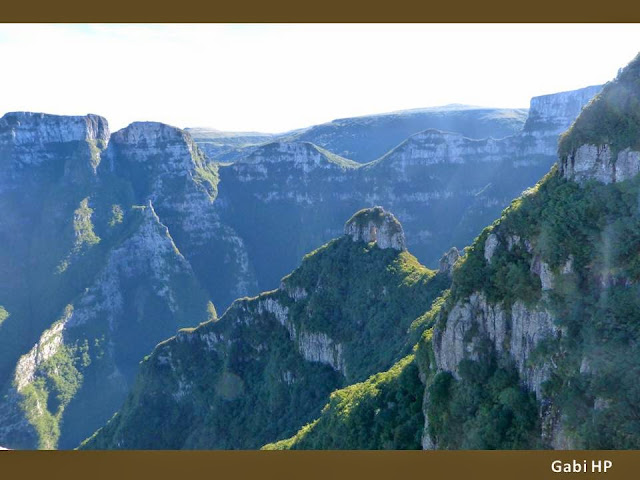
{"x": 612, "y": 117}
{"x": 486, "y": 409}
{"x": 384, "y": 412}
{"x": 364, "y": 297}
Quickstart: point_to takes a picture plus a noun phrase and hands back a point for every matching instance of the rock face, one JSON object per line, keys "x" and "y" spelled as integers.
{"x": 594, "y": 162}
{"x": 166, "y": 167}
{"x": 516, "y": 333}
{"x": 93, "y": 207}
{"x": 313, "y": 346}
{"x": 543, "y": 314}
{"x": 448, "y": 261}
{"x": 513, "y": 330}
{"x": 71, "y": 198}
{"x": 602, "y": 145}
{"x": 554, "y": 113}
{"x": 47, "y": 168}
{"x": 31, "y": 134}
{"x": 378, "y": 226}
{"x": 36, "y": 147}
{"x": 92, "y": 352}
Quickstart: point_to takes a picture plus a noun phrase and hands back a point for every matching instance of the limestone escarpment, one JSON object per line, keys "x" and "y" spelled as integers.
{"x": 546, "y": 293}
{"x": 77, "y": 235}
{"x": 516, "y": 332}
{"x": 434, "y": 146}
{"x": 159, "y": 149}
{"x": 366, "y": 138}
{"x": 38, "y": 146}
{"x": 30, "y": 134}
{"x": 478, "y": 326}
{"x": 47, "y": 170}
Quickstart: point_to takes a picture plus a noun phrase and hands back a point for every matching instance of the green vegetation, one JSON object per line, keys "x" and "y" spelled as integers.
{"x": 384, "y": 412}
{"x": 117, "y": 215}
{"x": 594, "y": 229}
{"x": 487, "y": 409}
{"x": 82, "y": 226}
{"x": 363, "y": 296}
{"x": 206, "y": 176}
{"x": 212, "y": 314}
{"x": 3, "y": 314}
{"x": 95, "y": 147}
{"x": 56, "y": 381}
{"x": 612, "y": 118}
{"x": 259, "y": 384}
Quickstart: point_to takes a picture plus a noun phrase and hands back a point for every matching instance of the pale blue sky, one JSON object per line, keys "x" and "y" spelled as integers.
{"x": 279, "y": 77}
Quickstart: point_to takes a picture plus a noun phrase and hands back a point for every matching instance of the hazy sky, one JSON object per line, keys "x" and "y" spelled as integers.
{"x": 279, "y": 77}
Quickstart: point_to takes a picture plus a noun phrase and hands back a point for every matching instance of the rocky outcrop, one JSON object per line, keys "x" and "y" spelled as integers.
{"x": 288, "y": 349}
{"x": 48, "y": 345}
{"x": 303, "y": 156}
{"x": 490, "y": 245}
{"x": 600, "y": 163}
{"x": 514, "y": 332}
{"x": 602, "y": 144}
{"x": 434, "y": 147}
{"x": 448, "y": 261}
{"x": 159, "y": 149}
{"x": 543, "y": 271}
{"x": 313, "y": 346}
{"x": 378, "y": 226}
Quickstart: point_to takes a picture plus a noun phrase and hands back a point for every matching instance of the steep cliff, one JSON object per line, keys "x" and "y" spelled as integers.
{"x": 553, "y": 113}
{"x": 78, "y": 241}
{"x": 47, "y": 172}
{"x": 604, "y": 143}
{"x": 79, "y": 371}
{"x": 163, "y": 165}
{"x": 268, "y": 364}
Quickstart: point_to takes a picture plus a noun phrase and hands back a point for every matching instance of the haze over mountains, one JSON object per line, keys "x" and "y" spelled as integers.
{"x": 113, "y": 242}
{"x": 533, "y": 345}
{"x": 364, "y": 139}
